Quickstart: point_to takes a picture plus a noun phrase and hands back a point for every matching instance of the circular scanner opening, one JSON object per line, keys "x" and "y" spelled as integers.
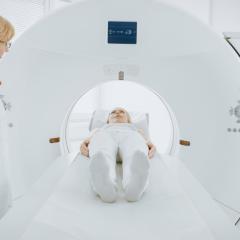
{"x": 135, "y": 98}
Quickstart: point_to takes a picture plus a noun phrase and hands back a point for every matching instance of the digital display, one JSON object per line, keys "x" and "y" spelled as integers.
{"x": 122, "y": 32}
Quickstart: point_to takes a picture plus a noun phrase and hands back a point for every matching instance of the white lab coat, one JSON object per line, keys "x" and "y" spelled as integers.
{"x": 5, "y": 193}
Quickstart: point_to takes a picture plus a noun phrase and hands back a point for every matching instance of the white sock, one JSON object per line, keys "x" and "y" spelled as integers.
{"x": 103, "y": 183}
{"x": 139, "y": 172}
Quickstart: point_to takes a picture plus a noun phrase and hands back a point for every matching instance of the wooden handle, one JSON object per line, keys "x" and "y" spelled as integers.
{"x": 121, "y": 75}
{"x": 54, "y": 140}
{"x": 184, "y": 142}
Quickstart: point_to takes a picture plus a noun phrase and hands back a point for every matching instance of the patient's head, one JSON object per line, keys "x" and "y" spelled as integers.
{"x": 119, "y": 115}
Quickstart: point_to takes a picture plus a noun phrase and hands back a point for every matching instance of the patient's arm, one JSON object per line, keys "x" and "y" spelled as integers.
{"x": 151, "y": 149}
{"x": 151, "y": 146}
{"x": 84, "y": 146}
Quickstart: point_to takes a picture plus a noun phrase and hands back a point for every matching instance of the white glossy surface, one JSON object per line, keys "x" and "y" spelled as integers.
{"x": 15, "y": 222}
{"x": 76, "y": 212}
{"x": 168, "y": 210}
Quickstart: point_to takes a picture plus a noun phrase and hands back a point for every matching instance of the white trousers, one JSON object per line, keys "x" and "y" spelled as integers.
{"x": 127, "y": 143}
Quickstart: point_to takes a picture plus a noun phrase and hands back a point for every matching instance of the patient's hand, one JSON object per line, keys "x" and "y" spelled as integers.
{"x": 151, "y": 149}
{"x": 84, "y": 148}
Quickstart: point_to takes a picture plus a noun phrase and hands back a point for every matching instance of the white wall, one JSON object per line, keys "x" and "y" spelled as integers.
{"x": 222, "y": 15}
{"x": 22, "y": 13}
{"x": 226, "y": 15}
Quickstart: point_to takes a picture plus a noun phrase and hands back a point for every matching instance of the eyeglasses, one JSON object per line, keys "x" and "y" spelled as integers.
{"x": 7, "y": 44}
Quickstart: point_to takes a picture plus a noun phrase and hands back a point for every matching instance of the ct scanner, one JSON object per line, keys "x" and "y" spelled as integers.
{"x": 68, "y": 53}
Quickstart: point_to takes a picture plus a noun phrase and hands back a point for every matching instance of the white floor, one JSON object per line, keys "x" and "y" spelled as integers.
{"x": 173, "y": 208}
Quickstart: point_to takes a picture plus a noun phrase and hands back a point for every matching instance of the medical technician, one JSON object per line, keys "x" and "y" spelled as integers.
{"x": 6, "y": 34}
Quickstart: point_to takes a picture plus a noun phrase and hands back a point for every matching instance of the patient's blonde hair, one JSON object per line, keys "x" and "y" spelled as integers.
{"x": 129, "y": 118}
{"x": 6, "y": 30}
{"x": 128, "y": 115}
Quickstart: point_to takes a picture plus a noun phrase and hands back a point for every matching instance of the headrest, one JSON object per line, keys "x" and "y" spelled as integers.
{"x": 140, "y": 120}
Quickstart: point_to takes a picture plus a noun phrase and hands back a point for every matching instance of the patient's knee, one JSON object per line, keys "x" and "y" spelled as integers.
{"x": 100, "y": 153}
{"x": 136, "y": 152}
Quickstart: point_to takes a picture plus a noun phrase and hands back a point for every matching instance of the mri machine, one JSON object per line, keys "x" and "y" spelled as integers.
{"x": 69, "y": 52}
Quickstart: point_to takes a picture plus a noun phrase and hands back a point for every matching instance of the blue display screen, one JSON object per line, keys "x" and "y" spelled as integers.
{"x": 122, "y": 32}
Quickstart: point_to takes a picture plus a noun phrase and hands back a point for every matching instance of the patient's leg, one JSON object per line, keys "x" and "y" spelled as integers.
{"x": 102, "y": 152}
{"x": 134, "y": 153}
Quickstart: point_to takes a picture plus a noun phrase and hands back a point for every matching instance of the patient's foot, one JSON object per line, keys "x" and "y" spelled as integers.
{"x": 103, "y": 183}
{"x": 139, "y": 172}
